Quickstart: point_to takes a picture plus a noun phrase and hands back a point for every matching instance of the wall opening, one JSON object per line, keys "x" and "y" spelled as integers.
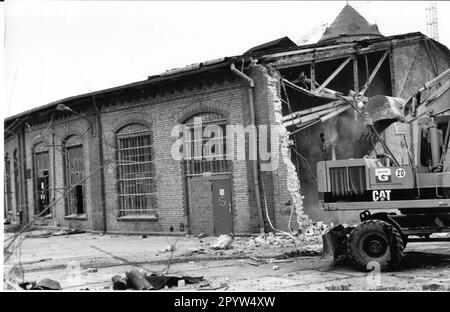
{"x": 341, "y": 137}
{"x": 74, "y": 175}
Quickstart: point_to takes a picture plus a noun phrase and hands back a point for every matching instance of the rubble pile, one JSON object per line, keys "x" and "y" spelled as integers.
{"x": 310, "y": 237}
{"x": 222, "y": 242}
{"x": 312, "y": 234}
{"x": 267, "y": 240}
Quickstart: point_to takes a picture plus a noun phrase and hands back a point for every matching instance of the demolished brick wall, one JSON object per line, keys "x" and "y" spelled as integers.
{"x": 286, "y": 182}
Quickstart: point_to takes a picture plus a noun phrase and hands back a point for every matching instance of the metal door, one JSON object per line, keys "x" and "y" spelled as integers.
{"x": 222, "y": 209}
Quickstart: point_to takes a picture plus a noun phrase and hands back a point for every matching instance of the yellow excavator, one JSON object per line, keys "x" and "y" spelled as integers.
{"x": 394, "y": 201}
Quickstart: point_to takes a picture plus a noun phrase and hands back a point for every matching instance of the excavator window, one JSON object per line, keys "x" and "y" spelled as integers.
{"x": 425, "y": 148}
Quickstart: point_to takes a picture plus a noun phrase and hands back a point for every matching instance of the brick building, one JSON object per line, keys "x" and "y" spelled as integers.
{"x": 103, "y": 161}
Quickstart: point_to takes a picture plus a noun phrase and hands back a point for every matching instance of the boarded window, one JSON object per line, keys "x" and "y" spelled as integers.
{"x": 205, "y": 145}
{"x": 135, "y": 170}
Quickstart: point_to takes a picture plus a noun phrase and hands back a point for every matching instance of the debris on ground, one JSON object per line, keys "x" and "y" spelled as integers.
{"x": 310, "y": 236}
{"x": 194, "y": 251}
{"x": 222, "y": 242}
{"x": 440, "y": 235}
{"x": 203, "y": 284}
{"x": 43, "y": 284}
{"x": 38, "y": 234}
{"x": 338, "y": 287}
{"x": 119, "y": 282}
{"x": 217, "y": 286}
{"x": 315, "y": 228}
{"x": 137, "y": 280}
{"x": 169, "y": 248}
{"x": 142, "y": 280}
{"x": 299, "y": 253}
{"x": 433, "y": 287}
{"x": 67, "y": 231}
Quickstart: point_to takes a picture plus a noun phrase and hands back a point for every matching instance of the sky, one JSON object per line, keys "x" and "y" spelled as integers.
{"x": 57, "y": 49}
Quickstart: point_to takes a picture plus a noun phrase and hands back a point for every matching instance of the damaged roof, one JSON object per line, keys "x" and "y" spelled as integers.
{"x": 307, "y": 53}
{"x": 348, "y": 26}
{"x": 277, "y": 44}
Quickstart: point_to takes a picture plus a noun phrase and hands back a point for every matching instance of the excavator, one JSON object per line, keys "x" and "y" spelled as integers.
{"x": 395, "y": 201}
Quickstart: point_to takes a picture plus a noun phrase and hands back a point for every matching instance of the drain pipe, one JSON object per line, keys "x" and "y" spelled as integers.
{"x": 254, "y": 144}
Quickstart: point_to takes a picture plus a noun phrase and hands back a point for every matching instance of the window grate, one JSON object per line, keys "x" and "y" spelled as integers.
{"x": 198, "y": 162}
{"x": 136, "y": 183}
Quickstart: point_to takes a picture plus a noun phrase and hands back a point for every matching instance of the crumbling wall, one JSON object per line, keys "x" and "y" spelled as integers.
{"x": 287, "y": 191}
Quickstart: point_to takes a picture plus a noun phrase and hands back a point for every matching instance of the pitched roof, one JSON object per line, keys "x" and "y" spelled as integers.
{"x": 349, "y": 25}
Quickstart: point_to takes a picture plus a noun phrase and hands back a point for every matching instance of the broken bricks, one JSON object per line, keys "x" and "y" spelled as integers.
{"x": 169, "y": 248}
{"x": 222, "y": 242}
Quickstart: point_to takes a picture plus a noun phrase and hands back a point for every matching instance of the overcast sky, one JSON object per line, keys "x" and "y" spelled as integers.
{"x": 59, "y": 49}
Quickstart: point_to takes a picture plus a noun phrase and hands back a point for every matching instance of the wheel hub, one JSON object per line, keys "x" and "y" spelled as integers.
{"x": 375, "y": 246}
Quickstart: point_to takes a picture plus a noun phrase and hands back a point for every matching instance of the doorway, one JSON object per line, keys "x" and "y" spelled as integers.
{"x": 42, "y": 181}
{"x": 222, "y": 207}
{"x": 74, "y": 176}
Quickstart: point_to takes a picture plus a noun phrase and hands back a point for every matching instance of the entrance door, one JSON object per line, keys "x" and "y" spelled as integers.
{"x": 42, "y": 181}
{"x": 222, "y": 209}
{"x": 43, "y": 193}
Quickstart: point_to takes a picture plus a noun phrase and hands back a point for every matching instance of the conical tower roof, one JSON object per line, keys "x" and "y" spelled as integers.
{"x": 348, "y": 26}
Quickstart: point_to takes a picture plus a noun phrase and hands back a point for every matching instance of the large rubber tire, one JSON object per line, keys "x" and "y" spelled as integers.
{"x": 375, "y": 240}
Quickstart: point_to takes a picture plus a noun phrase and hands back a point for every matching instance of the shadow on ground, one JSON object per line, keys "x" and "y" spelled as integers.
{"x": 411, "y": 260}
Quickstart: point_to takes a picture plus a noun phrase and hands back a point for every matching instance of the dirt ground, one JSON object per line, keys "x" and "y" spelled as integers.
{"x": 88, "y": 261}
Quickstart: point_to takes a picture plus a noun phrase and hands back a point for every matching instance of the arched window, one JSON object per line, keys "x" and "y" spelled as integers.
{"x": 8, "y": 183}
{"x": 205, "y": 144}
{"x": 41, "y": 177}
{"x": 135, "y": 170}
{"x": 74, "y": 175}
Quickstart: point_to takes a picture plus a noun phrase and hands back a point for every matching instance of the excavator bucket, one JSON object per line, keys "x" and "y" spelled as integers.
{"x": 334, "y": 241}
{"x": 382, "y": 111}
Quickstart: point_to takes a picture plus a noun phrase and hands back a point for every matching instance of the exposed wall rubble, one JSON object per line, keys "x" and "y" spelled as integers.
{"x": 292, "y": 180}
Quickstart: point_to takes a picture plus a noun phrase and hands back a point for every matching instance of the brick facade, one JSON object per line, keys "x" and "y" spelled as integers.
{"x": 183, "y": 204}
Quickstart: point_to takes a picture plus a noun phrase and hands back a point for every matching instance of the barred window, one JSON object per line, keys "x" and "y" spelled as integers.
{"x": 136, "y": 183}
{"x": 205, "y": 148}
